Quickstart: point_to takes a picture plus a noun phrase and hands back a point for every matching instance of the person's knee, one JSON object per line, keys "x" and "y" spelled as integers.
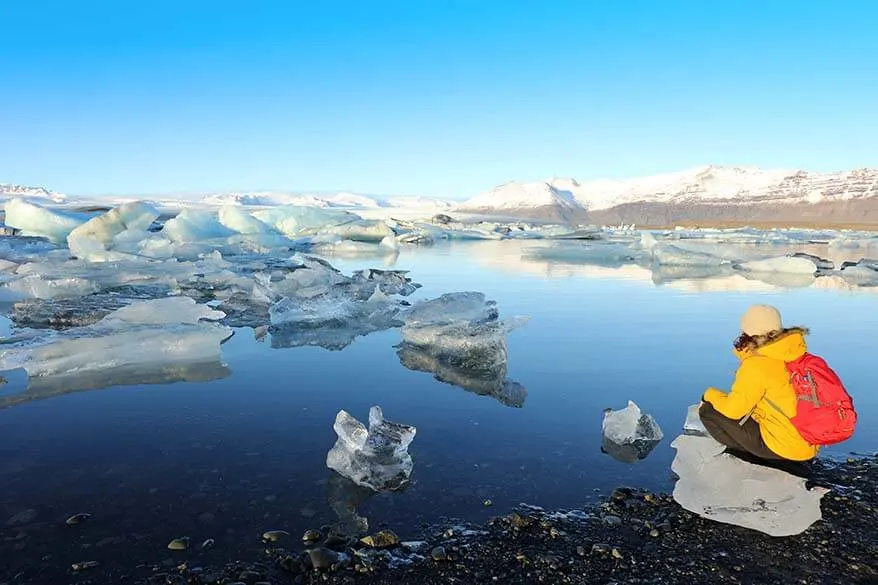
{"x": 707, "y": 411}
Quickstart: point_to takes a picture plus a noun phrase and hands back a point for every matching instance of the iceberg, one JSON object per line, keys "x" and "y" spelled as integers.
{"x": 611, "y": 254}
{"x": 138, "y": 336}
{"x": 238, "y": 220}
{"x": 461, "y": 330}
{"x": 784, "y": 264}
{"x": 628, "y": 434}
{"x": 93, "y": 238}
{"x": 322, "y": 307}
{"x": 363, "y": 230}
{"x": 763, "y": 499}
{"x": 376, "y": 458}
{"x": 671, "y": 255}
{"x": 863, "y": 273}
{"x": 34, "y": 220}
{"x": 192, "y": 225}
{"x": 331, "y": 321}
{"x": 296, "y": 220}
{"x": 37, "y": 287}
{"x": 820, "y": 263}
{"x": 460, "y": 338}
{"x": 65, "y": 313}
{"x": 167, "y": 311}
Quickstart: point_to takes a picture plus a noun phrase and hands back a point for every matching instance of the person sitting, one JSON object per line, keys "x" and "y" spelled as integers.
{"x": 753, "y": 419}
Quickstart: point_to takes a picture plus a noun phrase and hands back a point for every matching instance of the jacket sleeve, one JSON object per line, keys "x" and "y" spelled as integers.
{"x": 747, "y": 390}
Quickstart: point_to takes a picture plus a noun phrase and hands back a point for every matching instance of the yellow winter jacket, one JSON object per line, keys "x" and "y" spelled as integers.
{"x": 762, "y": 377}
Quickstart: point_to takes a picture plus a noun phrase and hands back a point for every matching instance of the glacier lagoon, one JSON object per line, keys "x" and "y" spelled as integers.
{"x": 239, "y": 447}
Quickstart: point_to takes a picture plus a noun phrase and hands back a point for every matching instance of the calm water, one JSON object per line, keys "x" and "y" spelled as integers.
{"x": 230, "y": 458}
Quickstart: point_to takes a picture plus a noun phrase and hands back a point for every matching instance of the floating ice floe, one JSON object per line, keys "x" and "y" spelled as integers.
{"x": 721, "y": 487}
{"x": 460, "y": 338}
{"x": 628, "y": 434}
{"x": 597, "y": 254}
{"x": 139, "y": 343}
{"x": 322, "y": 307}
{"x": 784, "y": 264}
{"x": 376, "y": 458}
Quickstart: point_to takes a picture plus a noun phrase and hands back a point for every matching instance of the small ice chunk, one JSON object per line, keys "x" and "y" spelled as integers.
{"x": 693, "y": 424}
{"x": 628, "y": 434}
{"x": 93, "y": 238}
{"x": 784, "y": 264}
{"x": 34, "y": 286}
{"x": 376, "y": 458}
{"x": 764, "y": 499}
{"x": 34, "y": 220}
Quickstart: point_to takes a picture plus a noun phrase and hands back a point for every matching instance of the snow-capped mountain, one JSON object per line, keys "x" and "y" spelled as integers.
{"x": 8, "y": 190}
{"x": 707, "y": 194}
{"x": 536, "y": 201}
{"x": 715, "y": 184}
{"x": 342, "y": 199}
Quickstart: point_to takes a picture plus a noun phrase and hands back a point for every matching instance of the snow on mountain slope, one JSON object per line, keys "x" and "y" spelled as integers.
{"x": 264, "y": 199}
{"x": 8, "y": 191}
{"x": 526, "y": 201}
{"x": 342, "y": 199}
{"x": 715, "y": 184}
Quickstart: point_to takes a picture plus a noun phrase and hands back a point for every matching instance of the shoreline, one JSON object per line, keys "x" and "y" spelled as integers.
{"x": 633, "y": 536}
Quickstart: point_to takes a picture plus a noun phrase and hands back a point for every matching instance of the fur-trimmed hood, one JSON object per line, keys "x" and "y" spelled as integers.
{"x": 787, "y": 345}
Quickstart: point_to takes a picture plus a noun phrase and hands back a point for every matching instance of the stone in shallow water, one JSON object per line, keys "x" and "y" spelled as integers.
{"x": 721, "y": 487}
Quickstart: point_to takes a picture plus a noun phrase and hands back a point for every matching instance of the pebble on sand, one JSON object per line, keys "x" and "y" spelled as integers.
{"x": 179, "y": 543}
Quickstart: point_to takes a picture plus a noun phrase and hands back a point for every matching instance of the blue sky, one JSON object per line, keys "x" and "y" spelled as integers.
{"x": 431, "y": 97}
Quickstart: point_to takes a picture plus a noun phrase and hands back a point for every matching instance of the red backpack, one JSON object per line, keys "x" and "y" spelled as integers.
{"x": 825, "y": 412}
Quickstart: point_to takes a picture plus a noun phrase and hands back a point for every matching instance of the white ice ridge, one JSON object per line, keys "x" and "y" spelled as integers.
{"x": 376, "y": 458}
{"x": 721, "y": 487}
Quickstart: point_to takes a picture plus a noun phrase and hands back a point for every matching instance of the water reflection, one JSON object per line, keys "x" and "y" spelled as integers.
{"x": 345, "y": 497}
{"x": 23, "y": 389}
{"x": 491, "y": 383}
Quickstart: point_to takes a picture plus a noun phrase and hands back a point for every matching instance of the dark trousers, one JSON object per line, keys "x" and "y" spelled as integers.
{"x": 745, "y": 442}
{"x": 737, "y": 437}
